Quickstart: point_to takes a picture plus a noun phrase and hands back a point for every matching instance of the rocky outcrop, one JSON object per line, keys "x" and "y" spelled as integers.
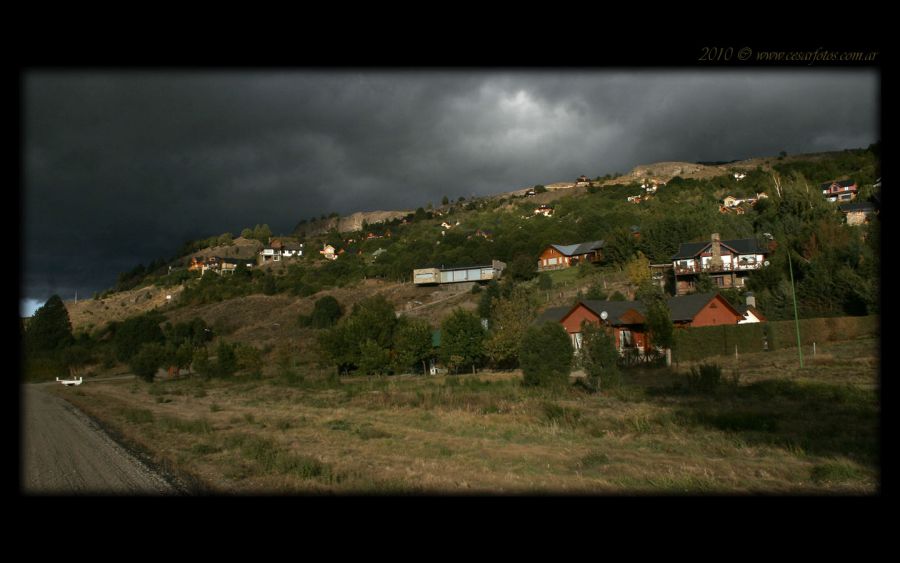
{"x": 350, "y": 223}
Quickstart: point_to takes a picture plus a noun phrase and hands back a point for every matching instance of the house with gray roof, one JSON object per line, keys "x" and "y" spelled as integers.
{"x": 728, "y": 262}
{"x": 559, "y": 256}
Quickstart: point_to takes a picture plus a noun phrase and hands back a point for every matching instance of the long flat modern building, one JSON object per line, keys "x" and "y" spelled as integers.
{"x": 425, "y": 276}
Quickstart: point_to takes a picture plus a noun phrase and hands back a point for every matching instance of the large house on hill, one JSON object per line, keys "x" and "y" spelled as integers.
{"x": 557, "y": 256}
{"x": 728, "y": 262}
{"x": 844, "y": 190}
{"x": 279, "y": 249}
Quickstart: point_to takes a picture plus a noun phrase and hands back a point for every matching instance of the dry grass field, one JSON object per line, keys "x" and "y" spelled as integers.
{"x": 769, "y": 428}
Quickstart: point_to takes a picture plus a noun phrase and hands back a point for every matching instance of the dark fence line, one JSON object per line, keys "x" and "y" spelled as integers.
{"x": 698, "y": 343}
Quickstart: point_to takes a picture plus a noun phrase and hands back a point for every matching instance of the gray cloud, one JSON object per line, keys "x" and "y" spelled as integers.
{"x": 122, "y": 167}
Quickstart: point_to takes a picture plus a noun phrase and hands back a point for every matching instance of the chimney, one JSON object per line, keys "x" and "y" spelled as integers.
{"x": 715, "y": 263}
{"x": 751, "y": 300}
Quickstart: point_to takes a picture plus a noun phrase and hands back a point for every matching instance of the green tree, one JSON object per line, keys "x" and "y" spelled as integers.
{"x": 511, "y": 318}
{"x": 659, "y": 325}
{"x": 371, "y": 319}
{"x": 638, "y": 269}
{"x": 373, "y": 359}
{"x": 130, "y": 334}
{"x": 486, "y": 302}
{"x": 596, "y": 292}
{"x": 445, "y": 200}
{"x": 545, "y": 355}
{"x": 201, "y": 363}
{"x": 249, "y": 360}
{"x": 148, "y": 359}
{"x": 545, "y": 281}
{"x": 269, "y": 287}
{"x": 462, "y": 339}
{"x": 412, "y": 344}
{"x": 226, "y": 359}
{"x": 49, "y": 329}
{"x": 522, "y": 268}
{"x": 326, "y": 312}
{"x": 598, "y": 357}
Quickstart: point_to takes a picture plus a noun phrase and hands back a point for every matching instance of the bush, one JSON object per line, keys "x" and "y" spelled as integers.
{"x": 599, "y": 358}
{"x": 147, "y": 361}
{"x": 706, "y": 378}
{"x": 545, "y": 281}
{"x": 546, "y": 355}
{"x": 326, "y": 312}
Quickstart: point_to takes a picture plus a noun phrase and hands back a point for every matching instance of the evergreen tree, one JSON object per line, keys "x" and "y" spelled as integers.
{"x": 49, "y": 329}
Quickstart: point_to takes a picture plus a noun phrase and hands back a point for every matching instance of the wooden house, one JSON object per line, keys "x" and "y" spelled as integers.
{"x": 557, "y": 256}
{"x": 843, "y": 190}
{"x": 857, "y": 213}
{"x": 728, "y": 262}
{"x": 624, "y": 319}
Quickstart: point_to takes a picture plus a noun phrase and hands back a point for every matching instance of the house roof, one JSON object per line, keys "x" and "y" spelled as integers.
{"x": 742, "y": 309}
{"x": 861, "y": 206}
{"x": 841, "y": 183}
{"x": 553, "y": 315}
{"x": 686, "y": 307}
{"x": 581, "y": 248}
{"x": 739, "y": 246}
{"x": 614, "y": 309}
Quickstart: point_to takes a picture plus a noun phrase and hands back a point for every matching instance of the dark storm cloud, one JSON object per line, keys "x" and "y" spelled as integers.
{"x": 122, "y": 167}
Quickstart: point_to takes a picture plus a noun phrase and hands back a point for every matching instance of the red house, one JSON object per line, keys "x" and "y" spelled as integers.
{"x": 557, "y": 256}
{"x": 702, "y": 309}
{"x": 624, "y": 318}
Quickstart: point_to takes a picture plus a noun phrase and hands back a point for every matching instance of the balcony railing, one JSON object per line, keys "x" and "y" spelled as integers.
{"x": 725, "y": 267}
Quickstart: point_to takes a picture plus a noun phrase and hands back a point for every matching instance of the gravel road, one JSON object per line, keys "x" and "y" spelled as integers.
{"x": 64, "y": 452}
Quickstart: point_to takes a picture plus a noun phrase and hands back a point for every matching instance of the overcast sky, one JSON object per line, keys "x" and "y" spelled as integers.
{"x": 121, "y": 167}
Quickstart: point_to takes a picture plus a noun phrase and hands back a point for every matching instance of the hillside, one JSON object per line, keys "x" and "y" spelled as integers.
{"x": 91, "y": 314}
{"x": 687, "y": 210}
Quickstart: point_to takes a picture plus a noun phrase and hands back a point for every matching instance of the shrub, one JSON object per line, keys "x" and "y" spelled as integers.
{"x": 599, "y": 357}
{"x": 546, "y": 355}
{"x": 148, "y": 359}
{"x": 706, "y": 378}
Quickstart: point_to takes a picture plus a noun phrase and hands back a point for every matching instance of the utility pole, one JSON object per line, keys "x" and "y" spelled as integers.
{"x": 796, "y": 316}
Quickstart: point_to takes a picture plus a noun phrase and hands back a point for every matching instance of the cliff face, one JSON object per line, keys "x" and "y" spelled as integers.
{"x": 353, "y": 222}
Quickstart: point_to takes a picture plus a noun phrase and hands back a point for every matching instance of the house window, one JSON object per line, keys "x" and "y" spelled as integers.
{"x": 625, "y": 339}
{"x": 552, "y": 261}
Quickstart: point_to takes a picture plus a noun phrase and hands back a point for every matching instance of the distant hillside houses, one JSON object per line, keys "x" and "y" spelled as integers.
{"x": 328, "y": 252}
{"x": 544, "y": 210}
{"x": 843, "y": 190}
{"x": 219, "y": 264}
